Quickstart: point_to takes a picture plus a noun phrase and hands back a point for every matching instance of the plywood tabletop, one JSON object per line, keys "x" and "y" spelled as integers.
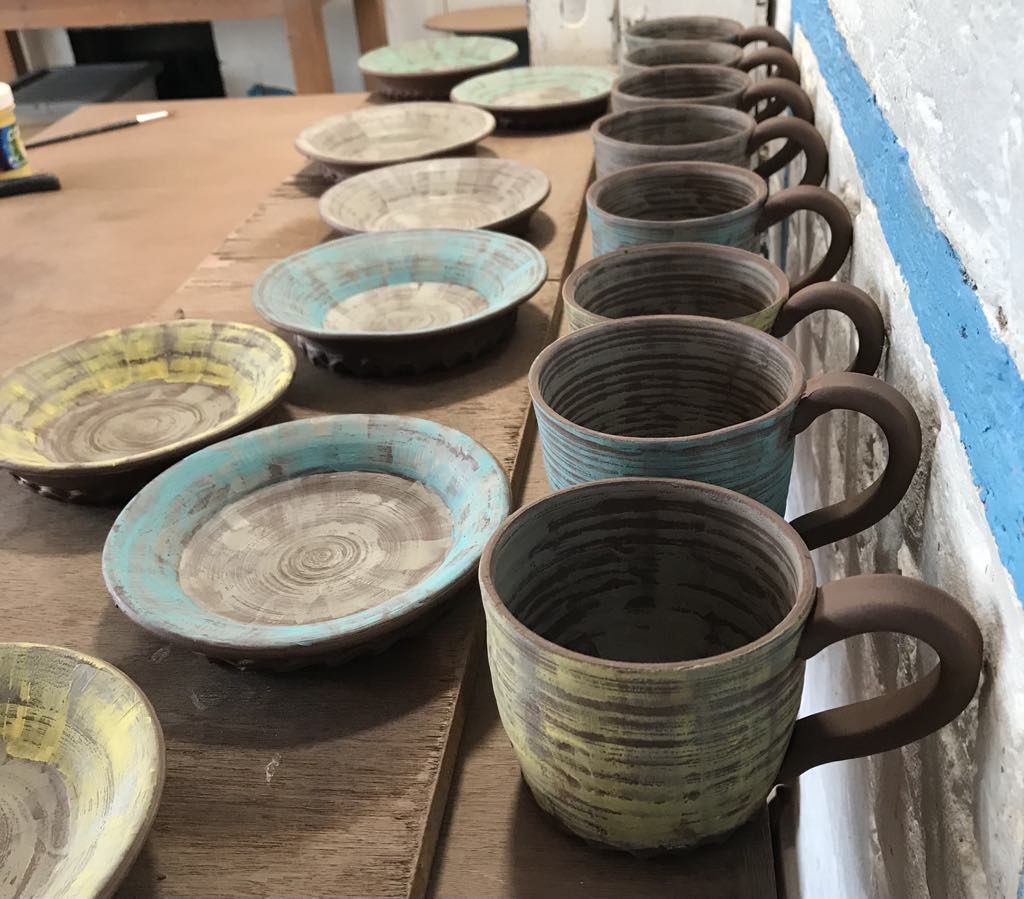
{"x": 324, "y": 781}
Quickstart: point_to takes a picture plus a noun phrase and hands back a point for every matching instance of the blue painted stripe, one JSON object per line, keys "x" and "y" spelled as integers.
{"x": 975, "y": 369}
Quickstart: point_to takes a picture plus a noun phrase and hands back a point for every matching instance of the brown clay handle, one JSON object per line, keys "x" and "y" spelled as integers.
{"x": 800, "y": 135}
{"x": 780, "y": 65}
{"x": 829, "y": 207}
{"x": 875, "y": 603}
{"x": 782, "y": 61}
{"x": 854, "y": 304}
{"x": 786, "y": 92}
{"x": 771, "y": 36}
{"x": 899, "y": 423}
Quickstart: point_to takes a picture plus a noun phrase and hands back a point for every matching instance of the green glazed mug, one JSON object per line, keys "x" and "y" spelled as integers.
{"x": 646, "y": 641}
{"x": 718, "y": 282}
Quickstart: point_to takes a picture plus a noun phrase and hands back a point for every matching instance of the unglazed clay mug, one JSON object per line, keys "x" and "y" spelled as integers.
{"x": 647, "y": 638}
{"x": 707, "y": 202}
{"x": 719, "y": 282}
{"x": 715, "y": 53}
{"x": 708, "y": 86}
{"x": 704, "y": 134}
{"x": 704, "y": 399}
{"x": 673, "y": 29}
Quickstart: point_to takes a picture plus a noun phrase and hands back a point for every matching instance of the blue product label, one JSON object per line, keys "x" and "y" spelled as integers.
{"x": 12, "y": 156}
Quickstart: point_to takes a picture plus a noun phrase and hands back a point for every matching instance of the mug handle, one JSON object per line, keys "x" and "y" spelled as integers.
{"x": 876, "y": 603}
{"x": 780, "y": 65}
{"x": 891, "y": 411}
{"x": 771, "y": 36}
{"x": 829, "y": 207}
{"x": 800, "y": 135}
{"x": 782, "y": 93}
{"x": 856, "y": 305}
{"x": 784, "y": 64}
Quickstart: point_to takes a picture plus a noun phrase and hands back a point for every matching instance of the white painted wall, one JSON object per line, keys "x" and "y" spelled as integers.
{"x": 944, "y": 817}
{"x": 949, "y": 77}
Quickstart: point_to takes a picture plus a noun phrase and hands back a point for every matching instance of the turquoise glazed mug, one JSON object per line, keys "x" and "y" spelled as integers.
{"x": 646, "y": 640}
{"x": 707, "y": 202}
{"x": 707, "y": 400}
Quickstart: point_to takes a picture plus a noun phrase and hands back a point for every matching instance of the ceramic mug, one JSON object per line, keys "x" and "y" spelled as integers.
{"x": 704, "y": 134}
{"x": 707, "y": 202}
{"x": 704, "y": 399}
{"x": 671, "y": 29}
{"x": 708, "y": 86}
{"x": 646, "y": 640}
{"x": 716, "y": 53}
{"x": 718, "y": 282}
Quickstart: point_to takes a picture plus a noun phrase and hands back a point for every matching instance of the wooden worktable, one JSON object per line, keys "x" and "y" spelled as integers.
{"x": 323, "y": 782}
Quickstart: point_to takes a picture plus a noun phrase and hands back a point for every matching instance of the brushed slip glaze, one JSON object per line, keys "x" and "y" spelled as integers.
{"x": 718, "y": 282}
{"x": 428, "y": 69}
{"x": 132, "y": 400}
{"x": 670, "y": 29}
{"x": 400, "y": 300}
{"x": 707, "y": 400}
{"x": 539, "y": 95}
{"x": 437, "y": 193}
{"x": 646, "y": 642}
{"x": 705, "y": 134}
{"x": 386, "y": 135}
{"x": 707, "y": 202}
{"x": 307, "y": 540}
{"x": 81, "y": 772}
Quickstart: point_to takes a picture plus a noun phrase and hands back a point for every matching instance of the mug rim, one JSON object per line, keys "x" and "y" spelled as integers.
{"x": 803, "y": 601}
{"x": 745, "y": 122}
{"x": 793, "y": 394}
{"x": 674, "y": 248}
{"x": 755, "y": 181}
{"x": 671, "y": 44}
{"x": 740, "y": 82}
{"x": 636, "y": 29}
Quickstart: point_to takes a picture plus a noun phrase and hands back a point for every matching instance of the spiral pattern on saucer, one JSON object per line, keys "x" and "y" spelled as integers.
{"x": 138, "y": 418}
{"x": 316, "y": 548}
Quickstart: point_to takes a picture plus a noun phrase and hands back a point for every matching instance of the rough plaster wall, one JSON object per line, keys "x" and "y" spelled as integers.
{"x": 948, "y": 76}
{"x": 943, "y": 817}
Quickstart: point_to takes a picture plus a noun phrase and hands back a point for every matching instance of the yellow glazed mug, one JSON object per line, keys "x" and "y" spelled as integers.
{"x": 647, "y": 638}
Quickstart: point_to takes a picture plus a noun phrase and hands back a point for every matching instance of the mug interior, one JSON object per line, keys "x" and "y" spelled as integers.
{"x": 685, "y": 82}
{"x": 677, "y": 279}
{"x": 677, "y": 191}
{"x": 687, "y": 28}
{"x": 666, "y": 376}
{"x": 674, "y": 126}
{"x": 694, "y": 52}
{"x": 646, "y": 570}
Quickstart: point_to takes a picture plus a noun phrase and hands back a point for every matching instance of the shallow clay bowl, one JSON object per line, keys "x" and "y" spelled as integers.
{"x": 399, "y": 302}
{"x": 307, "y": 541}
{"x": 429, "y": 69}
{"x": 81, "y": 771}
{"x": 437, "y": 193}
{"x": 94, "y": 420}
{"x": 539, "y": 96}
{"x": 385, "y": 135}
